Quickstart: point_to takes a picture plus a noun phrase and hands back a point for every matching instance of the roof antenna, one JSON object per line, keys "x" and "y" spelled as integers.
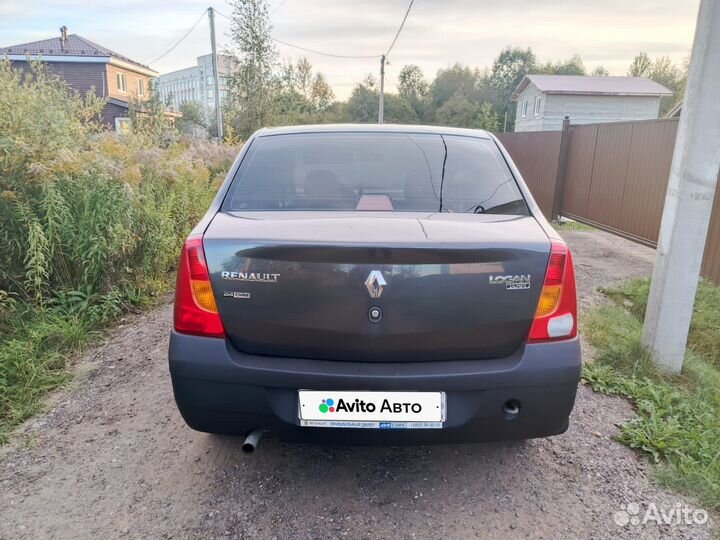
{"x": 63, "y": 35}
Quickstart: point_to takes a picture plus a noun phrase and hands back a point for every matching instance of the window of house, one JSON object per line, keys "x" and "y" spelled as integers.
{"x": 141, "y": 87}
{"x": 537, "y": 105}
{"x": 523, "y": 108}
{"x": 121, "y": 83}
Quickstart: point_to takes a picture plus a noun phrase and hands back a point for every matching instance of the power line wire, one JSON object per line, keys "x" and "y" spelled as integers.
{"x": 322, "y": 53}
{"x": 179, "y": 41}
{"x": 410, "y": 5}
{"x": 310, "y": 50}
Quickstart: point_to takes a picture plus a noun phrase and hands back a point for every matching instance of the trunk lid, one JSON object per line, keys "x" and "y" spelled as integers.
{"x": 449, "y": 286}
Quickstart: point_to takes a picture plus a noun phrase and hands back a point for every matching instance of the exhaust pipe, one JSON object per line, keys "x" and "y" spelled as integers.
{"x": 511, "y": 409}
{"x": 252, "y": 440}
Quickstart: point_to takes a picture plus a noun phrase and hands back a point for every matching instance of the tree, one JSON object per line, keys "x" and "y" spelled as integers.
{"x": 486, "y": 118}
{"x": 509, "y": 68}
{"x": 572, "y": 66}
{"x": 398, "y": 110}
{"x": 321, "y": 94}
{"x": 193, "y": 117}
{"x": 363, "y": 103}
{"x": 665, "y": 72}
{"x": 456, "y": 80}
{"x": 253, "y": 85}
{"x": 411, "y": 83}
{"x": 662, "y": 70}
{"x": 458, "y": 111}
{"x": 641, "y": 66}
{"x": 149, "y": 120}
{"x": 413, "y": 87}
{"x": 600, "y": 71}
{"x": 301, "y": 94}
{"x": 682, "y": 82}
{"x": 304, "y": 77}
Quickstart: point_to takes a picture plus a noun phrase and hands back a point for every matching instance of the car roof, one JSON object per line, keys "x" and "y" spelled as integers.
{"x": 372, "y": 128}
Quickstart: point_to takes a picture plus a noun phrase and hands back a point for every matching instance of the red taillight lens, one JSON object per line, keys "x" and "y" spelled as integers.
{"x": 195, "y": 308}
{"x": 556, "y": 313}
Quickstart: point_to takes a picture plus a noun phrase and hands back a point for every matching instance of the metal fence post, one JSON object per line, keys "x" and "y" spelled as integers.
{"x": 562, "y": 168}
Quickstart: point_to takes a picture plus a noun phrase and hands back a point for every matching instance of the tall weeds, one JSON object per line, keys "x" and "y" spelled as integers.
{"x": 90, "y": 225}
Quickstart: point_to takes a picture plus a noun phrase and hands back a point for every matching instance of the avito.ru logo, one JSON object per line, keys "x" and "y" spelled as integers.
{"x": 327, "y": 405}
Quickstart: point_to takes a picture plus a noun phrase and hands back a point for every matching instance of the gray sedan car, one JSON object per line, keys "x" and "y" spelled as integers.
{"x": 375, "y": 284}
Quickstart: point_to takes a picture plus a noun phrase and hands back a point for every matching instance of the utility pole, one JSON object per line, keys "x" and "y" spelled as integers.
{"x": 216, "y": 78}
{"x": 381, "y": 108}
{"x": 689, "y": 200}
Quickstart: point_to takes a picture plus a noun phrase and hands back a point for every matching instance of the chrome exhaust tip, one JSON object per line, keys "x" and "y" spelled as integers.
{"x": 252, "y": 440}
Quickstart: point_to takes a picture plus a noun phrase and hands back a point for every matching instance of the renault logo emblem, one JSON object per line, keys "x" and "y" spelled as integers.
{"x": 375, "y": 283}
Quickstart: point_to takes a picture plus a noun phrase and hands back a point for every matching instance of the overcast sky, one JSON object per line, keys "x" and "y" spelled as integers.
{"x": 437, "y": 34}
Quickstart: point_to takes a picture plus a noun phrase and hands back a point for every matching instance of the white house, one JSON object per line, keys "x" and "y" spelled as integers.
{"x": 544, "y": 100}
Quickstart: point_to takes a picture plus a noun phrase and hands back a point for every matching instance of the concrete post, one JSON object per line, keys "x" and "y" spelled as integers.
{"x": 562, "y": 169}
{"x": 381, "y": 104}
{"x": 689, "y": 199}
{"x": 216, "y": 78}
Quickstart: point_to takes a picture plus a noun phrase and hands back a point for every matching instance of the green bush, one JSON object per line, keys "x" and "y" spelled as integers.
{"x": 91, "y": 225}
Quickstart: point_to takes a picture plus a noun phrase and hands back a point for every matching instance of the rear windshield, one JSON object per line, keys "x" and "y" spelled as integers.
{"x": 374, "y": 172}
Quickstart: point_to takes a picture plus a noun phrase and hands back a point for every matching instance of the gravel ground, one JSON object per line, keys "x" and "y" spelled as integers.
{"x": 113, "y": 459}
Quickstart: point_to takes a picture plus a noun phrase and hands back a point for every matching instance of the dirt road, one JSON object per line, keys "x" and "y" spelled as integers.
{"x": 113, "y": 459}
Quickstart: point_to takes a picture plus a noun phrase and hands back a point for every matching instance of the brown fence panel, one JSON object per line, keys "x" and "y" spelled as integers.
{"x": 608, "y": 175}
{"x": 651, "y": 154}
{"x": 617, "y": 176}
{"x": 578, "y": 174}
{"x": 711, "y": 261}
{"x": 536, "y": 155}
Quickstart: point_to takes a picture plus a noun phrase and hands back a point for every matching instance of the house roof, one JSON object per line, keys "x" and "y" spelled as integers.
{"x": 598, "y": 86}
{"x": 73, "y": 46}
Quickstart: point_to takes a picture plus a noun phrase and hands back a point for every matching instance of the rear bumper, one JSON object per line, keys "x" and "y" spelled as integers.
{"x": 221, "y": 390}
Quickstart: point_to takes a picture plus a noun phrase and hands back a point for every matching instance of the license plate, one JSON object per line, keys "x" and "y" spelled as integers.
{"x": 372, "y": 410}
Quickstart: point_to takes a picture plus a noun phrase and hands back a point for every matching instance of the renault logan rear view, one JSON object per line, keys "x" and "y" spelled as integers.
{"x": 375, "y": 284}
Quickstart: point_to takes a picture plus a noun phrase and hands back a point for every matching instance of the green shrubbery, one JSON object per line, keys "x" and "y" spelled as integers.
{"x": 90, "y": 225}
{"x": 678, "y": 417}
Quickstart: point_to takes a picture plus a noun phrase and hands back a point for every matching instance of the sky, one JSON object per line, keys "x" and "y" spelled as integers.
{"x": 437, "y": 34}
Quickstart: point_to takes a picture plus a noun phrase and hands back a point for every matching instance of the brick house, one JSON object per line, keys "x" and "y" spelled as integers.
{"x": 87, "y": 66}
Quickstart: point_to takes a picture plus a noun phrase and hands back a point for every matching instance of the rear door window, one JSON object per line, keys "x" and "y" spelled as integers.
{"x": 374, "y": 171}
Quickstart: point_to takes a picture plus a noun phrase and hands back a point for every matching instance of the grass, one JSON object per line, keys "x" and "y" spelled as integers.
{"x": 678, "y": 417}
{"x": 43, "y": 342}
{"x": 567, "y": 225}
{"x": 704, "y": 339}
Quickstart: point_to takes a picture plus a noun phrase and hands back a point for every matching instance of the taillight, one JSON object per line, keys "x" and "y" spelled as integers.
{"x": 195, "y": 308}
{"x": 556, "y": 313}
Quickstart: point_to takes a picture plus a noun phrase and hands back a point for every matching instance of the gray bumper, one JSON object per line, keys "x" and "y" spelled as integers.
{"x": 221, "y": 390}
